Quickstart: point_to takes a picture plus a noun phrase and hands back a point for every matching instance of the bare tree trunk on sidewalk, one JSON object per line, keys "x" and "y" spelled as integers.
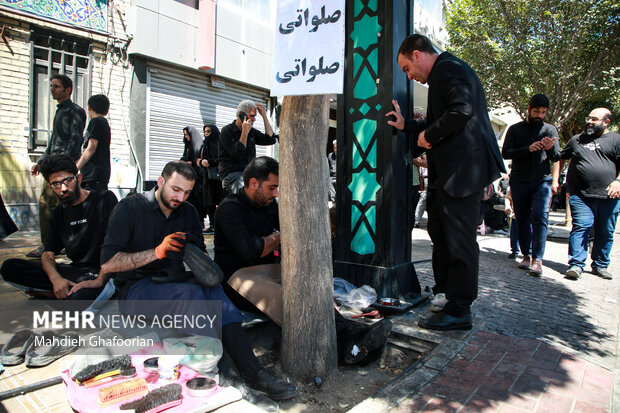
{"x": 308, "y": 334}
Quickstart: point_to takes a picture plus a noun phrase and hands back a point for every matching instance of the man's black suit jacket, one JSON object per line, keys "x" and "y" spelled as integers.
{"x": 465, "y": 156}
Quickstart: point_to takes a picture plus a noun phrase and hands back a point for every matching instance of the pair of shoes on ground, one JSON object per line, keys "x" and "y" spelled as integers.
{"x": 512, "y": 255}
{"x": 574, "y": 272}
{"x": 24, "y": 344}
{"x": 533, "y": 266}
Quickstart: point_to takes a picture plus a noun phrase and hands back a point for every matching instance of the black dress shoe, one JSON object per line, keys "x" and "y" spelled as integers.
{"x": 206, "y": 271}
{"x": 443, "y": 321}
{"x": 271, "y": 386}
{"x": 257, "y": 399}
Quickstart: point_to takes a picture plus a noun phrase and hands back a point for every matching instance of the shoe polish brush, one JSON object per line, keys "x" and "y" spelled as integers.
{"x": 158, "y": 400}
{"x": 105, "y": 371}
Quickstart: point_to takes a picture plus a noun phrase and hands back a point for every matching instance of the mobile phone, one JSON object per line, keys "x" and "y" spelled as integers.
{"x": 243, "y": 116}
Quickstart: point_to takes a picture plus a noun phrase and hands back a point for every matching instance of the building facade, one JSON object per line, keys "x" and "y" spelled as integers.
{"x": 164, "y": 65}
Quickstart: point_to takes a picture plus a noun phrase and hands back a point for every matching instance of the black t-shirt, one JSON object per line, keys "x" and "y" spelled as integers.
{"x": 240, "y": 226}
{"x": 595, "y": 163}
{"x": 529, "y": 166}
{"x": 97, "y": 169}
{"x": 138, "y": 224}
{"x": 80, "y": 229}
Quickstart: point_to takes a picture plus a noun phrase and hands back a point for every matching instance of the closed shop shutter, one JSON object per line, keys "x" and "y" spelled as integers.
{"x": 178, "y": 98}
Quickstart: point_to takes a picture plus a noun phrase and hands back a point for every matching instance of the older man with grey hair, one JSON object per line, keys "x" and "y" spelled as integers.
{"x": 238, "y": 142}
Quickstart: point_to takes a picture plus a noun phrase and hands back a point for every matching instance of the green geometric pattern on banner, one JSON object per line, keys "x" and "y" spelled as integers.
{"x": 365, "y": 32}
{"x": 373, "y": 59}
{"x": 85, "y": 14}
{"x": 356, "y": 214}
{"x": 371, "y": 216}
{"x": 364, "y": 185}
{"x": 365, "y": 87}
{"x": 363, "y": 129}
{"x": 364, "y": 108}
{"x": 362, "y": 242}
{"x": 357, "y": 61}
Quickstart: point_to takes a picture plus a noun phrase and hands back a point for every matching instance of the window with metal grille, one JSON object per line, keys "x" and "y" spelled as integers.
{"x": 55, "y": 53}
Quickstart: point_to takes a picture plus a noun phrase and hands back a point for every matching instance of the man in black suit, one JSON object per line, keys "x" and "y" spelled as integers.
{"x": 463, "y": 158}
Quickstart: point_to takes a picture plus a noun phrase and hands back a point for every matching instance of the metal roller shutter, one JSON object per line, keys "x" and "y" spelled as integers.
{"x": 178, "y": 98}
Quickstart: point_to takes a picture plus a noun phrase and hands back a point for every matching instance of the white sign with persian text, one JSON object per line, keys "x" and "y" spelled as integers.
{"x": 308, "y": 53}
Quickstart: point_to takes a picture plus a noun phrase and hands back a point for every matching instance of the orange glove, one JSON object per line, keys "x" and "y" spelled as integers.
{"x": 171, "y": 243}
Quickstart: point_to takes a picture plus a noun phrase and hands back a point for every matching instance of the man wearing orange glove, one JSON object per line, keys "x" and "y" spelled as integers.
{"x": 144, "y": 247}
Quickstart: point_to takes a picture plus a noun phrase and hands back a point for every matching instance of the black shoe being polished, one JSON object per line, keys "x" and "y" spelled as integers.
{"x": 271, "y": 386}
{"x": 444, "y": 321}
{"x": 257, "y": 399}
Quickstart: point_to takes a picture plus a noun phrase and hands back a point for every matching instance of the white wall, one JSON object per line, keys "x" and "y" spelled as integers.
{"x": 167, "y": 30}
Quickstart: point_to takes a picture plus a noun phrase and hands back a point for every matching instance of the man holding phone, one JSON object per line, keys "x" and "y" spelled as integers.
{"x": 238, "y": 142}
{"x": 532, "y": 145}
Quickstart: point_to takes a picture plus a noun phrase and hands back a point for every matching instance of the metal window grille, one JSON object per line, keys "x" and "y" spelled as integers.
{"x": 52, "y": 53}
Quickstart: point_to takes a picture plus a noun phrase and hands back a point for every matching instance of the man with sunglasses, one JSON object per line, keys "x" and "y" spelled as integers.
{"x": 78, "y": 225}
{"x": 593, "y": 182}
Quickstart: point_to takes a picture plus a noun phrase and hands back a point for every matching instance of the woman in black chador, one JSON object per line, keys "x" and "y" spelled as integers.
{"x": 207, "y": 160}
{"x": 191, "y": 153}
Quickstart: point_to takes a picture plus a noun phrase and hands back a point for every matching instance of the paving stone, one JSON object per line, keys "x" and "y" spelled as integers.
{"x": 583, "y": 407}
{"x": 520, "y": 402}
{"x": 479, "y": 405}
{"x": 550, "y": 402}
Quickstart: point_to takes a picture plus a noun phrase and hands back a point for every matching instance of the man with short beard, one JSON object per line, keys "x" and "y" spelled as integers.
{"x": 531, "y": 145}
{"x": 144, "y": 248}
{"x": 247, "y": 224}
{"x": 78, "y": 225}
{"x": 593, "y": 182}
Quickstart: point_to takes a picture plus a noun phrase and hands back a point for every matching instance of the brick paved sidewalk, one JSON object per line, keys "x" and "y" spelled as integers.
{"x": 497, "y": 373}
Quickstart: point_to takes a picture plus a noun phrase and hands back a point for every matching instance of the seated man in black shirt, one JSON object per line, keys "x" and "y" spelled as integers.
{"x": 238, "y": 142}
{"x": 146, "y": 234}
{"x": 247, "y": 224}
{"x": 78, "y": 225}
{"x": 246, "y": 234}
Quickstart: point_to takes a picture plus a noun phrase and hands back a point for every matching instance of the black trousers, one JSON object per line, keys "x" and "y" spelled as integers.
{"x": 452, "y": 226}
{"x": 29, "y": 273}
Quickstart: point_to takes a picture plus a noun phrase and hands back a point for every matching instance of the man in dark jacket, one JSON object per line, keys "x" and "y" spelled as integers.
{"x": 67, "y": 136}
{"x": 238, "y": 142}
{"x": 463, "y": 158}
{"x": 531, "y": 144}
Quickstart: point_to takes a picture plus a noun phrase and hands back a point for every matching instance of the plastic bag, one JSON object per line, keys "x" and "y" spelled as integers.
{"x": 200, "y": 353}
{"x": 348, "y": 295}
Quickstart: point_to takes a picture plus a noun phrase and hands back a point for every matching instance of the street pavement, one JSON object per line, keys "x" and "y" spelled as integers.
{"x": 539, "y": 344}
{"x": 544, "y": 344}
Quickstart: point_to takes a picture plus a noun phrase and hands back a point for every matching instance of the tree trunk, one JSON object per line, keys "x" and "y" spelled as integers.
{"x": 308, "y": 333}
